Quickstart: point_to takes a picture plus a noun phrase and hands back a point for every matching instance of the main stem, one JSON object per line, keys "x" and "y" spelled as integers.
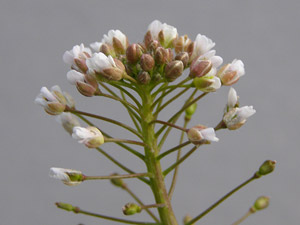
{"x": 153, "y": 165}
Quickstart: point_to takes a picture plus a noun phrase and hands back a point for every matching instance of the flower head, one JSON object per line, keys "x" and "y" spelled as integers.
{"x": 161, "y": 32}
{"x": 231, "y": 73}
{"x": 201, "y": 45}
{"x": 116, "y": 39}
{"x": 90, "y": 136}
{"x": 106, "y": 66}
{"x": 54, "y": 101}
{"x": 236, "y": 117}
{"x": 199, "y": 134}
{"x": 77, "y": 56}
{"x": 67, "y": 176}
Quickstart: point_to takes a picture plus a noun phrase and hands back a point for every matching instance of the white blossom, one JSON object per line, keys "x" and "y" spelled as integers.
{"x": 117, "y": 35}
{"x": 54, "y": 101}
{"x": 202, "y": 45}
{"x": 200, "y": 133}
{"x": 96, "y": 46}
{"x": 236, "y": 117}
{"x": 231, "y": 73}
{"x": 90, "y": 136}
{"x": 67, "y": 176}
{"x": 74, "y": 76}
{"x": 232, "y": 98}
{"x": 78, "y": 52}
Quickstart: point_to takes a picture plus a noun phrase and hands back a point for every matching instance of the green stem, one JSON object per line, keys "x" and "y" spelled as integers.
{"x": 153, "y": 165}
{"x": 131, "y": 114}
{"x": 177, "y": 163}
{"x": 174, "y": 149}
{"x": 107, "y": 120}
{"x": 176, "y": 115}
{"x": 170, "y": 100}
{"x": 168, "y": 124}
{"x": 124, "y": 176}
{"x": 121, "y": 165}
{"x": 243, "y": 218}
{"x": 136, "y": 153}
{"x": 126, "y": 188}
{"x": 254, "y": 177}
{"x": 116, "y": 140}
{"x": 77, "y": 210}
{"x": 175, "y": 175}
{"x": 220, "y": 126}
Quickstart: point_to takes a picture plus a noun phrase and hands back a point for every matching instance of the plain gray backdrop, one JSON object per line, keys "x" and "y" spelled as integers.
{"x": 35, "y": 34}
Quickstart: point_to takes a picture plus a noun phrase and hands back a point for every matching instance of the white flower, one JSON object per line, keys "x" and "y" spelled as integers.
{"x": 200, "y": 133}
{"x": 96, "y": 46}
{"x": 236, "y": 117}
{"x": 68, "y": 121}
{"x": 53, "y": 101}
{"x": 74, "y": 76}
{"x": 232, "y": 99}
{"x": 67, "y": 176}
{"x": 116, "y": 39}
{"x": 163, "y": 33}
{"x": 205, "y": 65}
{"x": 207, "y": 83}
{"x": 106, "y": 66}
{"x": 90, "y": 136}
{"x": 202, "y": 45}
{"x": 231, "y": 73}
{"x": 154, "y": 28}
{"x": 76, "y": 57}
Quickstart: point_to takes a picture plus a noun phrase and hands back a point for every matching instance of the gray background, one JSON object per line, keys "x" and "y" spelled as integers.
{"x": 35, "y": 34}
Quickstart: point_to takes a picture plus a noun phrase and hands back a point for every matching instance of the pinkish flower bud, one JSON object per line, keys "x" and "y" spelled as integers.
{"x": 173, "y": 70}
{"x": 200, "y": 68}
{"x": 107, "y": 49}
{"x": 134, "y": 53}
{"x": 231, "y": 73}
{"x": 182, "y": 44}
{"x": 144, "y": 77}
{"x": 201, "y": 134}
{"x": 183, "y": 57}
{"x": 147, "y": 62}
{"x": 163, "y": 56}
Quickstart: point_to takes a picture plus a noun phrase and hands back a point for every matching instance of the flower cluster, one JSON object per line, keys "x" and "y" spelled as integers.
{"x": 149, "y": 70}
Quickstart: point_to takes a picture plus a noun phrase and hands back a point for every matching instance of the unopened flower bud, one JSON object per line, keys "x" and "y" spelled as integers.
{"x": 260, "y": 203}
{"x": 183, "y": 57}
{"x": 201, "y": 134}
{"x": 68, "y": 121}
{"x": 134, "y": 53}
{"x": 189, "y": 112}
{"x": 163, "y": 55}
{"x": 231, "y": 73}
{"x": 182, "y": 44}
{"x": 107, "y": 49}
{"x": 187, "y": 219}
{"x": 267, "y": 167}
{"x": 90, "y": 136}
{"x": 156, "y": 77}
{"x": 147, "y": 62}
{"x": 65, "y": 206}
{"x": 173, "y": 70}
{"x": 200, "y": 68}
{"x": 117, "y": 181}
{"x": 153, "y": 45}
{"x": 67, "y": 176}
{"x": 232, "y": 101}
{"x": 144, "y": 77}
{"x": 131, "y": 209}
{"x": 237, "y": 117}
{"x": 207, "y": 83}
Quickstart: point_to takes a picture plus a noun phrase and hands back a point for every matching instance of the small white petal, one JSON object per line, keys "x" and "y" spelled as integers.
{"x": 74, "y": 76}
{"x": 209, "y": 134}
{"x": 232, "y": 98}
{"x": 48, "y": 95}
{"x": 96, "y": 46}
